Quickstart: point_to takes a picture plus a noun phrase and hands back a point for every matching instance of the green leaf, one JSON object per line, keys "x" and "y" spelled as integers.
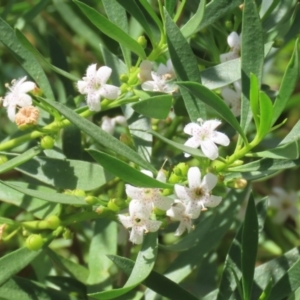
{"x": 157, "y": 107}
{"x": 155, "y": 281}
{"x": 75, "y": 270}
{"x": 20, "y": 159}
{"x": 190, "y": 27}
{"x": 217, "y": 9}
{"x": 104, "y": 241}
{"x": 28, "y": 46}
{"x": 252, "y": 56}
{"x": 111, "y": 29}
{"x": 186, "y": 67}
{"x": 117, "y": 14}
{"x": 65, "y": 174}
{"x": 125, "y": 172}
{"x": 194, "y": 152}
{"x": 266, "y": 115}
{"x": 14, "y": 262}
{"x": 40, "y": 209}
{"x": 25, "y": 58}
{"x": 254, "y": 99}
{"x": 249, "y": 248}
{"x": 100, "y": 136}
{"x": 46, "y": 196}
{"x": 288, "y": 84}
{"x": 141, "y": 270}
{"x": 24, "y": 289}
{"x": 211, "y": 99}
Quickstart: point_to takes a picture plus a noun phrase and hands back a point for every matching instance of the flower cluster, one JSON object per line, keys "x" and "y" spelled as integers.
{"x": 158, "y": 81}
{"x": 232, "y": 96}
{"x": 187, "y": 205}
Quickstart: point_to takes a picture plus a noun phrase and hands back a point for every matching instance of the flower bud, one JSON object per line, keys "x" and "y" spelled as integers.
{"x": 237, "y": 183}
{"x": 159, "y": 212}
{"x": 103, "y": 211}
{"x": 47, "y": 142}
{"x": 124, "y": 78}
{"x": 91, "y": 200}
{"x": 34, "y": 242}
{"x": 229, "y": 25}
{"x": 142, "y": 41}
{"x": 112, "y": 205}
{"x": 67, "y": 234}
{"x": 79, "y": 193}
{"x": 174, "y": 178}
{"x": 181, "y": 169}
{"x": 53, "y": 222}
{"x": 3, "y": 159}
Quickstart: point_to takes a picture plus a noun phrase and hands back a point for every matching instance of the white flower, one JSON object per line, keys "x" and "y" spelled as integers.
{"x": 139, "y": 225}
{"x": 160, "y": 80}
{"x": 17, "y": 96}
{"x": 109, "y": 124}
{"x": 234, "y": 42}
{"x": 198, "y": 195}
{"x": 205, "y": 136}
{"x": 177, "y": 212}
{"x": 285, "y": 205}
{"x": 94, "y": 86}
{"x": 232, "y": 97}
{"x": 145, "y": 199}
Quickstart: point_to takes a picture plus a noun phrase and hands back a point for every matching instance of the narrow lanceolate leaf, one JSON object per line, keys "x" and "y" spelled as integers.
{"x": 25, "y": 58}
{"x": 141, "y": 270}
{"x": 125, "y": 172}
{"x": 193, "y": 23}
{"x": 249, "y": 248}
{"x": 266, "y": 114}
{"x": 254, "y": 99}
{"x": 288, "y": 84}
{"x": 111, "y": 29}
{"x": 252, "y": 56}
{"x": 20, "y": 159}
{"x": 211, "y": 99}
{"x": 46, "y": 196}
{"x": 15, "y": 261}
{"x": 157, "y": 107}
{"x": 186, "y": 67}
{"x": 155, "y": 281}
{"x": 100, "y": 136}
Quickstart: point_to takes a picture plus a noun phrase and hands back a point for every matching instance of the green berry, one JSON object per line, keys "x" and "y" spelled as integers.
{"x": 34, "y": 242}
{"x": 47, "y": 142}
{"x": 3, "y": 159}
{"x": 53, "y": 222}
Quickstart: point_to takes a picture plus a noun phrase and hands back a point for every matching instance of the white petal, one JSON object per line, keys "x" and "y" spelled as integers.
{"x": 110, "y": 92}
{"x": 81, "y": 86}
{"x": 140, "y": 208}
{"x": 211, "y": 125}
{"x": 93, "y": 101}
{"x": 191, "y": 128}
{"x": 162, "y": 69}
{"x": 27, "y": 86}
{"x": 108, "y": 125}
{"x": 133, "y": 192}
{"x": 220, "y": 138}
{"x": 163, "y": 203}
{"x": 91, "y": 71}
{"x": 209, "y": 149}
{"x": 194, "y": 177}
{"x": 24, "y": 100}
{"x": 149, "y": 86}
{"x": 137, "y": 235}
{"x": 192, "y": 142}
{"x": 176, "y": 211}
{"x": 145, "y": 71}
{"x": 148, "y": 173}
{"x": 125, "y": 220}
{"x": 213, "y": 201}
{"x": 121, "y": 120}
{"x": 229, "y": 95}
{"x": 11, "y": 112}
{"x": 152, "y": 225}
{"x": 103, "y": 74}
{"x": 181, "y": 192}
{"x": 233, "y": 41}
{"x": 193, "y": 208}
{"x": 209, "y": 181}
{"x": 161, "y": 176}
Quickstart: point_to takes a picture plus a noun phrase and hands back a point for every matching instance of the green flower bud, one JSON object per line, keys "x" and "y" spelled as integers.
{"x": 3, "y": 159}
{"x": 142, "y": 41}
{"x": 237, "y": 183}
{"x": 159, "y": 212}
{"x": 34, "y": 242}
{"x": 47, "y": 142}
{"x": 228, "y": 25}
{"x": 112, "y": 205}
{"x": 167, "y": 192}
{"x": 67, "y": 234}
{"x": 79, "y": 193}
{"x": 124, "y": 78}
{"x": 103, "y": 211}
{"x": 174, "y": 178}
{"x": 91, "y": 200}
{"x": 181, "y": 169}
{"x": 53, "y": 222}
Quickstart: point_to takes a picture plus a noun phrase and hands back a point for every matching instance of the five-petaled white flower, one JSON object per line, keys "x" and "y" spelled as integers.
{"x": 198, "y": 195}
{"x": 285, "y": 205}
{"x": 145, "y": 71}
{"x": 145, "y": 199}
{"x": 205, "y": 136}
{"x": 234, "y": 42}
{"x": 17, "y": 96}
{"x": 94, "y": 86}
{"x": 177, "y": 212}
{"x": 160, "y": 79}
{"x": 232, "y": 97}
{"x": 139, "y": 225}
{"x": 109, "y": 124}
